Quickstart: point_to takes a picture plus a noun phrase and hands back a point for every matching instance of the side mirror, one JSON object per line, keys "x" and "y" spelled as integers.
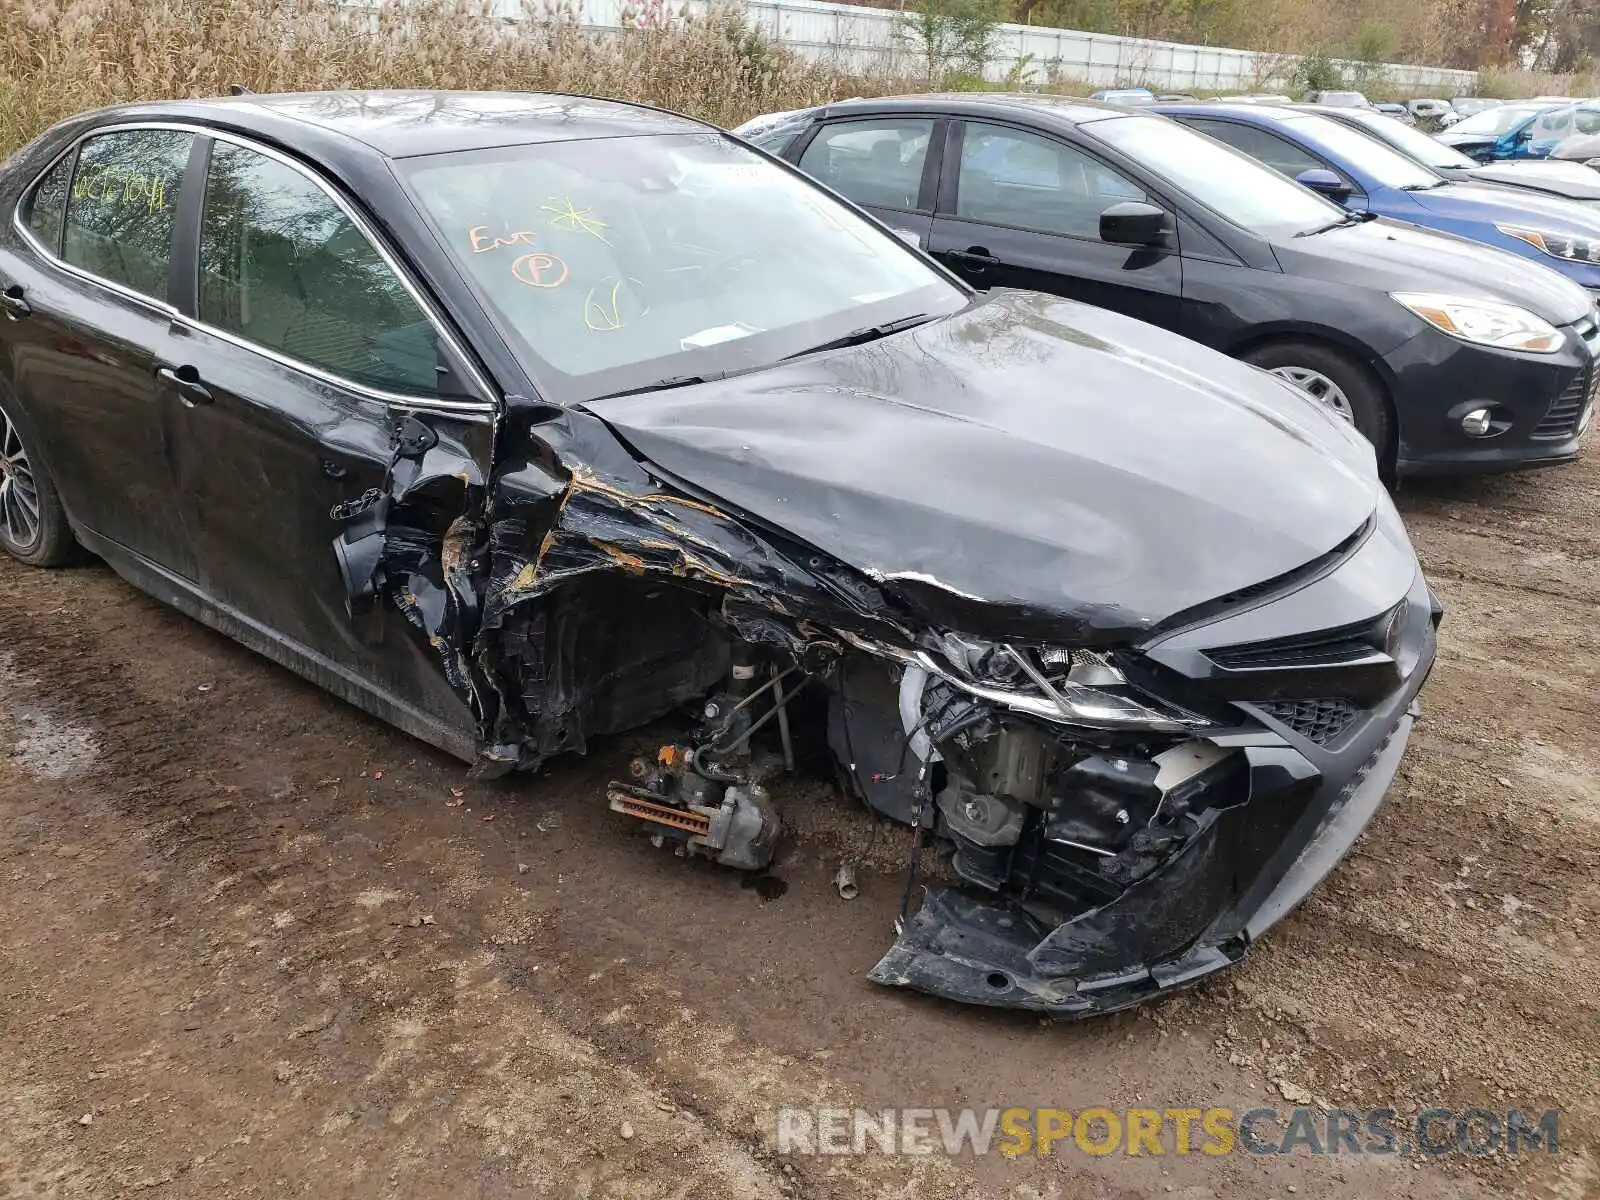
{"x": 1524, "y": 136}
{"x": 1134, "y": 223}
{"x": 1320, "y": 179}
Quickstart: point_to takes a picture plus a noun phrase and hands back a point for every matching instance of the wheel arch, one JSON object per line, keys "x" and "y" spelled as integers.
{"x": 1348, "y": 347}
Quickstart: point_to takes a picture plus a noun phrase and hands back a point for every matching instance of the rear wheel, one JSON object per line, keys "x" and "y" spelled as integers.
{"x": 1334, "y": 380}
{"x": 33, "y": 525}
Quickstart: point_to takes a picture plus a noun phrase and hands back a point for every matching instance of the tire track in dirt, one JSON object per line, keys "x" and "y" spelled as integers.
{"x": 313, "y": 988}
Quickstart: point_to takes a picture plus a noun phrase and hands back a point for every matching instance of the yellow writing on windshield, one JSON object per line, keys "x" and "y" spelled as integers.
{"x": 603, "y": 306}
{"x": 578, "y": 220}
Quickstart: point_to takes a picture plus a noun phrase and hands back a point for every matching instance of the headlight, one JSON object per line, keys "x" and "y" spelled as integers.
{"x": 1076, "y": 686}
{"x": 1566, "y": 246}
{"x": 1484, "y": 322}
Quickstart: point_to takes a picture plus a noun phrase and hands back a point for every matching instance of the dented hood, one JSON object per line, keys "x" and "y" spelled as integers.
{"x": 1027, "y": 466}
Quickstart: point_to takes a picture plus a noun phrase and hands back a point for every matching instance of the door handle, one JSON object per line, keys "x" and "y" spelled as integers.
{"x": 187, "y": 381}
{"x": 16, "y": 307}
{"x": 977, "y": 258}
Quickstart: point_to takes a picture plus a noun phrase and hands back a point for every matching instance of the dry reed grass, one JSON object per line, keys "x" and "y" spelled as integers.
{"x": 59, "y": 57}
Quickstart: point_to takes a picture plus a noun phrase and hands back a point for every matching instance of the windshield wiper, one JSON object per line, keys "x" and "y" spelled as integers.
{"x": 1424, "y": 187}
{"x": 869, "y": 333}
{"x": 670, "y": 382}
{"x": 1349, "y": 218}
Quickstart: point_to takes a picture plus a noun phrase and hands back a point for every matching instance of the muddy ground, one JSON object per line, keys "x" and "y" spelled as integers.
{"x": 257, "y": 944}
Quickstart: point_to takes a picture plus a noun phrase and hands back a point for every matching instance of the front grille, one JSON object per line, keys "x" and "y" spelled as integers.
{"x": 1334, "y": 652}
{"x": 1319, "y": 721}
{"x": 1561, "y": 422}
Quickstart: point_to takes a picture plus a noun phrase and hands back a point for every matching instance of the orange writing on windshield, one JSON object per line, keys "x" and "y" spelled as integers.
{"x": 540, "y": 270}
{"x": 483, "y": 241}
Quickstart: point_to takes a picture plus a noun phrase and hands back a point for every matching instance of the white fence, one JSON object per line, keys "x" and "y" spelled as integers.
{"x": 864, "y": 38}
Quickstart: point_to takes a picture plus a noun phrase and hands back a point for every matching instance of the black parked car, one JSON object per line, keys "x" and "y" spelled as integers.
{"x": 524, "y": 420}
{"x": 1447, "y": 355}
{"x": 1570, "y": 181}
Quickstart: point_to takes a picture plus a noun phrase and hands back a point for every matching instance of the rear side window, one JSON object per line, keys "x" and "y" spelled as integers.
{"x": 283, "y": 265}
{"x": 45, "y": 210}
{"x": 121, "y": 212}
{"x": 874, "y": 163}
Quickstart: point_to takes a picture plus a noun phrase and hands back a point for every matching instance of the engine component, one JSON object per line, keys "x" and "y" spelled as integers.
{"x": 1103, "y": 800}
{"x": 986, "y": 820}
{"x": 740, "y": 831}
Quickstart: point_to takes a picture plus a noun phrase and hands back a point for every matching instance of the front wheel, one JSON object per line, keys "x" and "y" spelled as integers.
{"x": 1336, "y": 381}
{"x": 33, "y": 525}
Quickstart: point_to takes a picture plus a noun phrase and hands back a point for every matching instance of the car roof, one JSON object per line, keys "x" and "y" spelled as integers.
{"x": 1256, "y": 114}
{"x": 1061, "y": 110}
{"x": 401, "y": 124}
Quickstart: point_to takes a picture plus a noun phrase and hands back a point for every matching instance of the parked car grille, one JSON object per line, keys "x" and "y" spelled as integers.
{"x": 1561, "y": 421}
{"x": 1319, "y": 721}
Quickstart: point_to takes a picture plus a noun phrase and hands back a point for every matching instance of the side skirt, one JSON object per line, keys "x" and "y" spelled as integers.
{"x": 349, "y": 687}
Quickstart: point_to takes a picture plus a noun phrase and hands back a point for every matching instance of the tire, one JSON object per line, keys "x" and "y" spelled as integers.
{"x": 1313, "y": 366}
{"x": 33, "y": 525}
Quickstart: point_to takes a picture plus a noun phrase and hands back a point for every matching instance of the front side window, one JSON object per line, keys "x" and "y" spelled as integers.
{"x": 1236, "y": 188}
{"x": 282, "y": 265}
{"x": 875, "y": 163}
{"x": 1281, "y": 155}
{"x": 45, "y": 210}
{"x": 1415, "y": 144}
{"x": 1361, "y": 154}
{"x": 122, "y": 209}
{"x": 615, "y": 263}
{"x": 1557, "y": 124}
{"x": 1495, "y": 122}
{"x": 1012, "y": 177}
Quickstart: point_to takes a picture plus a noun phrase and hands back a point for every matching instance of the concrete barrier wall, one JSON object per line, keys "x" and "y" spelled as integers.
{"x": 868, "y": 38}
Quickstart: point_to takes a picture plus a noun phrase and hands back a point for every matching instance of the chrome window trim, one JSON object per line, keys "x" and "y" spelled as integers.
{"x": 393, "y": 399}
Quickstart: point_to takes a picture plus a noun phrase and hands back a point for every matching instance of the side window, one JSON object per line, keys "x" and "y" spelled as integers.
{"x": 45, "y": 210}
{"x": 1587, "y": 120}
{"x": 873, "y": 162}
{"x": 122, "y": 208}
{"x": 1555, "y": 124}
{"x": 1010, "y": 177}
{"x": 1268, "y": 148}
{"x": 283, "y": 266}
{"x": 777, "y": 139}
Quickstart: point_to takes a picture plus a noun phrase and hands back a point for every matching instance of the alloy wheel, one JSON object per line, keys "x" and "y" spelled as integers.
{"x": 19, "y": 493}
{"x": 1320, "y": 388}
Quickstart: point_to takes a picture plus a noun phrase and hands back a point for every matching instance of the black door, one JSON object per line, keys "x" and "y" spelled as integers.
{"x": 1020, "y": 209}
{"x": 325, "y": 409}
{"x": 882, "y": 164}
{"x": 88, "y": 328}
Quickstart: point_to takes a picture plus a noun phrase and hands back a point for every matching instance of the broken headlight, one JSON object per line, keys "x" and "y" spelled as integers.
{"x": 1077, "y": 686}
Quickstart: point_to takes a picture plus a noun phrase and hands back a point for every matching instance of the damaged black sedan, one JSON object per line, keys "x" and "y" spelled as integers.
{"x": 525, "y": 420}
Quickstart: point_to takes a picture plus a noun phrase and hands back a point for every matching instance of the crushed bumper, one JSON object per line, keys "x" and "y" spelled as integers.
{"x": 1298, "y": 822}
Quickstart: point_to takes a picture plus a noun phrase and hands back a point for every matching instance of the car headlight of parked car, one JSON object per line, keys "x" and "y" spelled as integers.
{"x": 1076, "y": 686}
{"x": 1556, "y": 245}
{"x": 1484, "y": 322}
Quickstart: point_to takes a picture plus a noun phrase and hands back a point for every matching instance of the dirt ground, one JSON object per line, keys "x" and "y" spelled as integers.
{"x": 256, "y": 944}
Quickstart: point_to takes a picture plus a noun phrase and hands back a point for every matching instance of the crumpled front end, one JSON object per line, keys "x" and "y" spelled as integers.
{"x": 1104, "y": 803}
{"x": 1090, "y": 873}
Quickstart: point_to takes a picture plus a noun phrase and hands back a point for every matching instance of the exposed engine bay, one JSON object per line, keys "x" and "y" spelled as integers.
{"x": 1001, "y": 790}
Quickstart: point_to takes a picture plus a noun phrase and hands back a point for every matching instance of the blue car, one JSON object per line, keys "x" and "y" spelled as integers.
{"x": 1366, "y": 175}
{"x": 1514, "y": 131}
